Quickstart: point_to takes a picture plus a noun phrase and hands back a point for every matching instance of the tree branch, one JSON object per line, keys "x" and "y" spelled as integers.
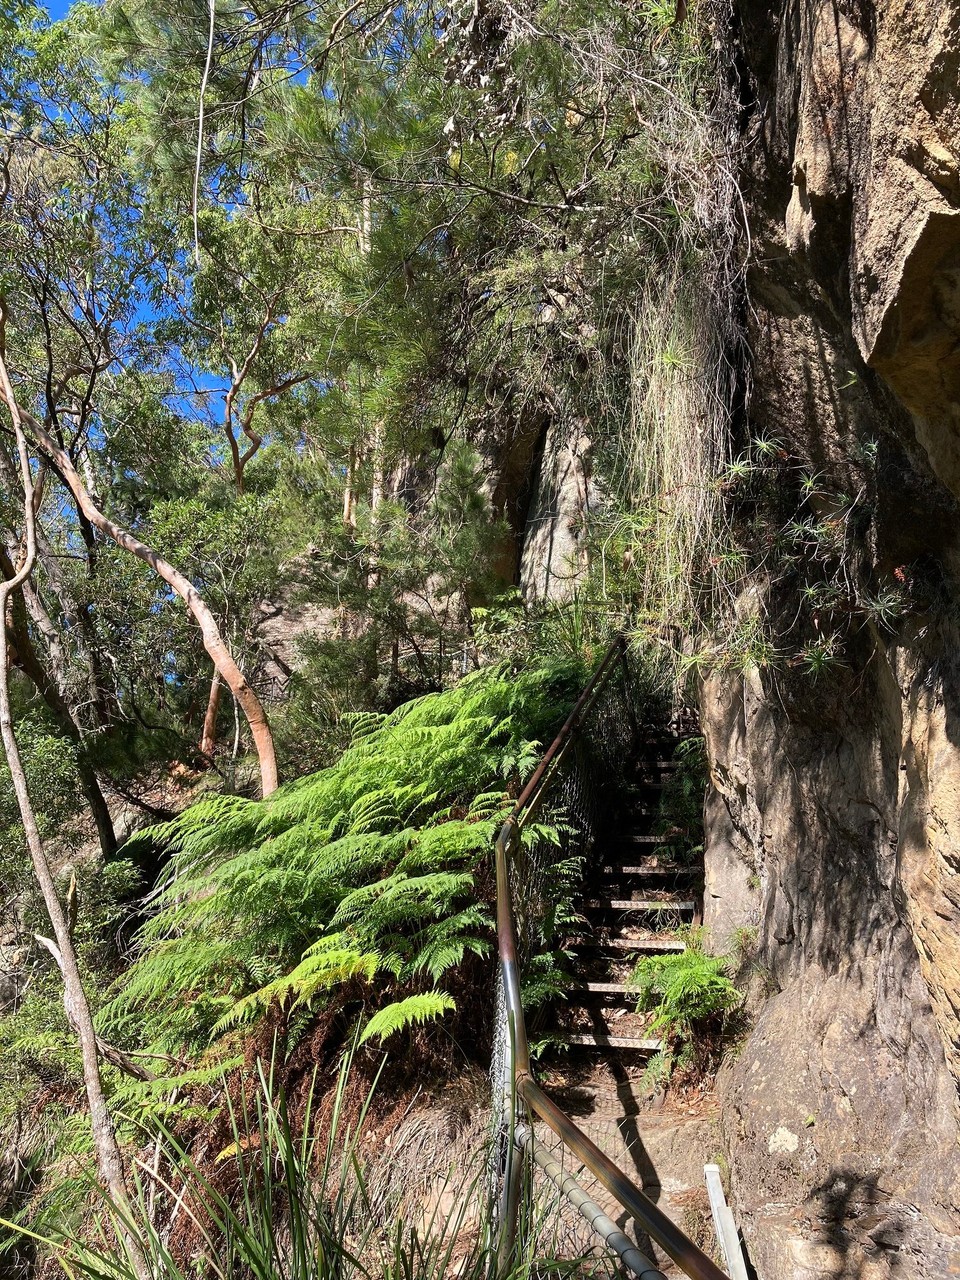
{"x": 109, "y": 1163}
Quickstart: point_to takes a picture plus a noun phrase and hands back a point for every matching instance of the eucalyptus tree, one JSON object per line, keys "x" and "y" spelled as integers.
{"x": 87, "y": 256}
{"x": 61, "y": 947}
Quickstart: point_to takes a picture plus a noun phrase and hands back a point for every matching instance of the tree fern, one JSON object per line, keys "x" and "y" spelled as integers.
{"x": 367, "y": 868}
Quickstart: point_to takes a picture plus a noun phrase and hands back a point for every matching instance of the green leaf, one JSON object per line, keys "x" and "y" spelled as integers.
{"x": 413, "y": 1011}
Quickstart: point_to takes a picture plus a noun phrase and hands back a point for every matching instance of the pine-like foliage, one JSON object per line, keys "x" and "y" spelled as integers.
{"x": 366, "y": 869}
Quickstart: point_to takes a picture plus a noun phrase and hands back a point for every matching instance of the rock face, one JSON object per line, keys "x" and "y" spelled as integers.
{"x": 834, "y": 819}
{"x": 552, "y": 557}
{"x": 839, "y": 1111}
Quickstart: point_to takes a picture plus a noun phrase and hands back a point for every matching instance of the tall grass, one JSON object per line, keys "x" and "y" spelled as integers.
{"x": 678, "y": 444}
{"x": 299, "y": 1200}
{"x": 662, "y": 549}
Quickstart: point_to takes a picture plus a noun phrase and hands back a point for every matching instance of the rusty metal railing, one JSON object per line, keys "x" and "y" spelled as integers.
{"x": 521, "y": 1088}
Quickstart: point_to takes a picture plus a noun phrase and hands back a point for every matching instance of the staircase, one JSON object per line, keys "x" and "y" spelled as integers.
{"x": 636, "y": 895}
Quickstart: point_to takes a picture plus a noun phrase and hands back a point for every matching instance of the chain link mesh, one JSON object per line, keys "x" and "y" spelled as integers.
{"x": 564, "y": 830}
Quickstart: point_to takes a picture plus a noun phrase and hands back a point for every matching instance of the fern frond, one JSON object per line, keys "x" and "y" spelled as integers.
{"x": 361, "y": 724}
{"x": 364, "y": 867}
{"x": 404, "y": 1013}
{"x": 401, "y": 898}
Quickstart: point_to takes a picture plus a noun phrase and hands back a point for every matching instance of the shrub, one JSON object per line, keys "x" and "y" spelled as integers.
{"x": 292, "y": 1193}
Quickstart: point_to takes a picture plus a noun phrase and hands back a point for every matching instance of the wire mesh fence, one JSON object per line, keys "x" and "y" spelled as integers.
{"x": 548, "y": 866}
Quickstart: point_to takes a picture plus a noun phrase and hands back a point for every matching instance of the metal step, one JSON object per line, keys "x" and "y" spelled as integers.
{"x": 640, "y": 904}
{"x": 602, "y": 988}
{"x": 632, "y": 944}
{"x": 600, "y": 1041}
{"x": 671, "y": 870}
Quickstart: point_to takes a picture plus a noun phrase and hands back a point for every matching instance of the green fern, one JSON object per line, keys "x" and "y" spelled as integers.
{"x": 324, "y": 964}
{"x": 365, "y": 869}
{"x": 685, "y": 991}
{"x": 405, "y": 1013}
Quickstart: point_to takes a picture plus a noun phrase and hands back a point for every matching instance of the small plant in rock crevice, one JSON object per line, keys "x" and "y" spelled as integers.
{"x": 805, "y": 586}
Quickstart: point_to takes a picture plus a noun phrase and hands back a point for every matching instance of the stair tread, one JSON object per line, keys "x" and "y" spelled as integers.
{"x": 613, "y": 1042}
{"x": 642, "y": 904}
{"x": 637, "y": 881}
{"x": 602, "y": 988}
{"x": 671, "y": 870}
{"x": 632, "y": 944}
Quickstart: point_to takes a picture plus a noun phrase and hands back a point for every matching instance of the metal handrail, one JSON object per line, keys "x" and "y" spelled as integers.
{"x": 635, "y": 1262}
{"x": 522, "y": 1085}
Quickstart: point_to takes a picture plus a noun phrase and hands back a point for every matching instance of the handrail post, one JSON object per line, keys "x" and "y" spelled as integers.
{"x": 517, "y": 1050}
{"x": 723, "y": 1224}
{"x": 510, "y": 1196}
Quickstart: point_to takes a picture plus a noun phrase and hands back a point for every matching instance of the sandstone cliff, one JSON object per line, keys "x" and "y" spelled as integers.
{"x": 834, "y": 820}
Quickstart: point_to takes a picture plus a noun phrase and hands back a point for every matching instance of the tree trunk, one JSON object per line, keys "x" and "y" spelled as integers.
{"x": 109, "y": 1163}
{"x": 213, "y": 641}
{"x": 208, "y": 741}
{"x": 27, "y": 659}
{"x": 349, "y": 492}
